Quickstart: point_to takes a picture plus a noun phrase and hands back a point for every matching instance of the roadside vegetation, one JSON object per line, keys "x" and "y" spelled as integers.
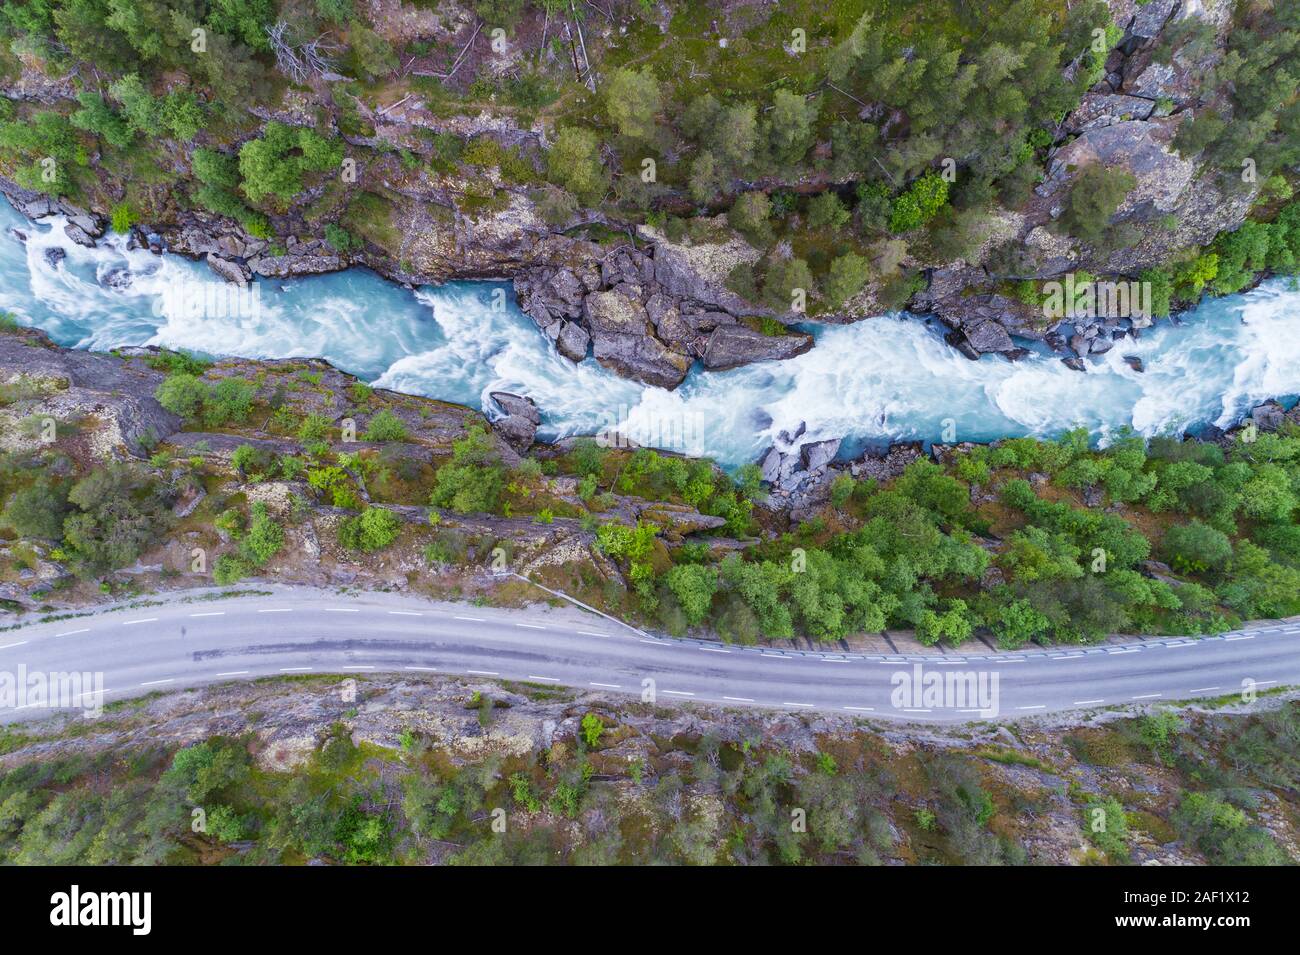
{"x": 620, "y": 787}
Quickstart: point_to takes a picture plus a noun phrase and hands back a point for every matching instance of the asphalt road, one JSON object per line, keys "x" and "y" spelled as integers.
{"x": 191, "y": 643}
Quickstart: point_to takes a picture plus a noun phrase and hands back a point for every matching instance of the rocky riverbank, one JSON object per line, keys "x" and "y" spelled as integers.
{"x": 649, "y": 308}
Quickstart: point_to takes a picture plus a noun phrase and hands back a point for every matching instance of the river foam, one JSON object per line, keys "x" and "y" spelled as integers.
{"x": 888, "y": 377}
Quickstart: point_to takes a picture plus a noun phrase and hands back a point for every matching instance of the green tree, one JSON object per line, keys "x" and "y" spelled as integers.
{"x": 848, "y": 274}
{"x": 750, "y": 214}
{"x": 574, "y": 163}
{"x": 1096, "y": 194}
{"x": 1196, "y": 547}
{"x": 791, "y": 125}
{"x": 633, "y": 100}
{"x": 826, "y": 211}
{"x": 694, "y": 586}
{"x": 37, "y": 510}
{"x": 95, "y": 116}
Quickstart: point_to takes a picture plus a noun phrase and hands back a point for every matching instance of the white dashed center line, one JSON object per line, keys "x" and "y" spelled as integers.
{"x": 68, "y": 633}
{"x": 471, "y": 619}
{"x": 128, "y": 623}
{"x": 6, "y": 646}
{"x": 211, "y": 613}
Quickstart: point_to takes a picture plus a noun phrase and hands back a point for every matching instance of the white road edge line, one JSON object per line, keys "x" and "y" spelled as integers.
{"x": 233, "y": 673}
{"x": 68, "y": 633}
{"x": 6, "y": 646}
{"x": 211, "y": 613}
{"x": 612, "y": 686}
{"x": 156, "y": 682}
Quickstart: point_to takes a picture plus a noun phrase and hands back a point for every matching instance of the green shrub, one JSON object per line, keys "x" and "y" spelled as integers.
{"x": 371, "y": 530}
{"x": 386, "y": 426}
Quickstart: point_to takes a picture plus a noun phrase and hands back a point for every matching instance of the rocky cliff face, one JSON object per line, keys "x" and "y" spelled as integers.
{"x": 1127, "y": 123}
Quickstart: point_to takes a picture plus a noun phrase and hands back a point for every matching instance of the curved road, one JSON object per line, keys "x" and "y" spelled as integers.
{"x": 192, "y": 642}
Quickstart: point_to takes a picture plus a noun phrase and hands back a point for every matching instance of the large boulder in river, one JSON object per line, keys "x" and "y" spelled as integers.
{"x": 517, "y": 405}
{"x": 234, "y": 272}
{"x": 730, "y": 346}
{"x": 519, "y": 426}
{"x": 1268, "y": 416}
{"x": 623, "y": 339}
{"x": 572, "y": 340}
